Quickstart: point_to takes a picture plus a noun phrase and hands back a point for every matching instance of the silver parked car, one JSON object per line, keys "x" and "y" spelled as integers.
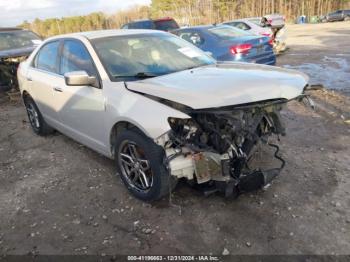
{"x": 159, "y": 106}
{"x": 262, "y": 26}
{"x": 252, "y": 25}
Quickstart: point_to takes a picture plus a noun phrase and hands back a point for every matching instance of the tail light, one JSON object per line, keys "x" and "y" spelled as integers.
{"x": 240, "y": 49}
{"x": 266, "y": 34}
{"x": 270, "y": 36}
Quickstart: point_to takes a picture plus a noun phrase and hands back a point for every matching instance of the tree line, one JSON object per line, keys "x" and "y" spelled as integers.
{"x": 187, "y": 12}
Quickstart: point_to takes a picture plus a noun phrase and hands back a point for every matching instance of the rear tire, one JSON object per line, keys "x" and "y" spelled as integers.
{"x": 140, "y": 163}
{"x": 36, "y": 120}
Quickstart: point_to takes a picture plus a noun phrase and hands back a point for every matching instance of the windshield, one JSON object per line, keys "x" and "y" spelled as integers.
{"x": 166, "y": 25}
{"x": 17, "y": 39}
{"x": 228, "y": 32}
{"x": 147, "y": 55}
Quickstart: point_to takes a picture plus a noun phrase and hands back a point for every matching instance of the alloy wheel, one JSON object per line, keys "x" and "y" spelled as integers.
{"x": 33, "y": 115}
{"x": 134, "y": 166}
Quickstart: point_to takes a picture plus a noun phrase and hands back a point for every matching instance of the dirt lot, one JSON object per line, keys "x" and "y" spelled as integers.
{"x": 58, "y": 197}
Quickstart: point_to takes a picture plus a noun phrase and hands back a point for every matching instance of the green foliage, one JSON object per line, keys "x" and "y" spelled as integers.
{"x": 54, "y": 26}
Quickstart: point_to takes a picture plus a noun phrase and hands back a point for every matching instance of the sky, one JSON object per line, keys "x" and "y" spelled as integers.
{"x": 14, "y": 12}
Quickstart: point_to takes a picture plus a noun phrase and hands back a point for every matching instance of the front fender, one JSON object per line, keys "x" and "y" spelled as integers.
{"x": 150, "y": 116}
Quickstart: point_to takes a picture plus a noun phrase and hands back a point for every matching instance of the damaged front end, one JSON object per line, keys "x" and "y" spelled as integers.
{"x": 15, "y": 46}
{"x": 217, "y": 147}
{"x": 8, "y": 71}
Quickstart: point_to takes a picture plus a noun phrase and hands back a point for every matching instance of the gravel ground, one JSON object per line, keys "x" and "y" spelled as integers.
{"x": 58, "y": 197}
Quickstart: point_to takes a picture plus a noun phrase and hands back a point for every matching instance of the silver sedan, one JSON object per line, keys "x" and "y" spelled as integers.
{"x": 159, "y": 106}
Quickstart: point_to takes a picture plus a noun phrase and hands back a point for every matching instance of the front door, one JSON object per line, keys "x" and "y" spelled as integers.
{"x": 82, "y": 108}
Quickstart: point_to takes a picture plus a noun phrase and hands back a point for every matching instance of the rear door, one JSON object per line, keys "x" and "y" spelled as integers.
{"x": 43, "y": 78}
{"x": 82, "y": 108}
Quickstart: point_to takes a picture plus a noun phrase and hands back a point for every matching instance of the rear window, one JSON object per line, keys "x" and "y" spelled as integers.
{"x": 241, "y": 25}
{"x": 18, "y": 39}
{"x": 256, "y": 21}
{"x": 227, "y": 32}
{"x": 166, "y": 25}
{"x": 141, "y": 25}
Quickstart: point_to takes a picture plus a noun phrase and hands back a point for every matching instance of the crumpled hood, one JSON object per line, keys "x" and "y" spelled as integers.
{"x": 11, "y": 53}
{"x": 224, "y": 85}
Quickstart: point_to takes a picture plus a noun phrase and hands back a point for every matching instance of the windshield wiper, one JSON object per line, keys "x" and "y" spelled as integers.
{"x": 145, "y": 75}
{"x": 140, "y": 75}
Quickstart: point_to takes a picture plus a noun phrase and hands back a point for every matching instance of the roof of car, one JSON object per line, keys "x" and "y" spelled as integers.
{"x": 200, "y": 27}
{"x": 108, "y": 33}
{"x": 163, "y": 19}
{"x": 140, "y": 20}
{"x": 244, "y": 20}
{"x": 3, "y": 29}
{"x": 152, "y": 20}
{"x": 249, "y": 19}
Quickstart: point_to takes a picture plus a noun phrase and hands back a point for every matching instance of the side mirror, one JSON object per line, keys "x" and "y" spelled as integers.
{"x": 80, "y": 78}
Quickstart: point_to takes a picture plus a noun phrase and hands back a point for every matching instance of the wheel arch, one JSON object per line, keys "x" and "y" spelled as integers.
{"x": 119, "y": 127}
{"x": 25, "y": 94}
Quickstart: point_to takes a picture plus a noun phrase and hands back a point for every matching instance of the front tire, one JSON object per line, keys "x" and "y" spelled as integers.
{"x": 140, "y": 163}
{"x": 36, "y": 120}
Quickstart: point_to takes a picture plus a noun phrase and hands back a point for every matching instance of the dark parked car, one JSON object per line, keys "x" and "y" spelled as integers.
{"x": 163, "y": 24}
{"x": 227, "y": 43}
{"x": 15, "y": 45}
{"x": 340, "y": 15}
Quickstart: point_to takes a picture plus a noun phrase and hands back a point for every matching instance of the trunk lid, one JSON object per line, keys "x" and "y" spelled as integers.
{"x": 260, "y": 45}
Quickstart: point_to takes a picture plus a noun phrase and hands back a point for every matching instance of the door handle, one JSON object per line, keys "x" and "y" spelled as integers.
{"x": 57, "y": 89}
{"x": 29, "y": 79}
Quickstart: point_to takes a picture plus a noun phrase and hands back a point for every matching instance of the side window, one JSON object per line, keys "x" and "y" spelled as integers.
{"x": 46, "y": 58}
{"x": 193, "y": 38}
{"x": 126, "y": 26}
{"x": 185, "y": 36}
{"x": 75, "y": 57}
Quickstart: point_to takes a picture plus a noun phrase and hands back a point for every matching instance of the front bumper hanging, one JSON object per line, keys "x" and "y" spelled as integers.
{"x": 212, "y": 173}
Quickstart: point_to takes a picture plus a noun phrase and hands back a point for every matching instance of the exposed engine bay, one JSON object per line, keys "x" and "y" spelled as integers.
{"x": 226, "y": 137}
{"x": 8, "y": 71}
{"x": 220, "y": 144}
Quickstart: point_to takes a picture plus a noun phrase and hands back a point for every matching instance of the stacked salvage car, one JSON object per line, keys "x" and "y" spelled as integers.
{"x": 15, "y": 45}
